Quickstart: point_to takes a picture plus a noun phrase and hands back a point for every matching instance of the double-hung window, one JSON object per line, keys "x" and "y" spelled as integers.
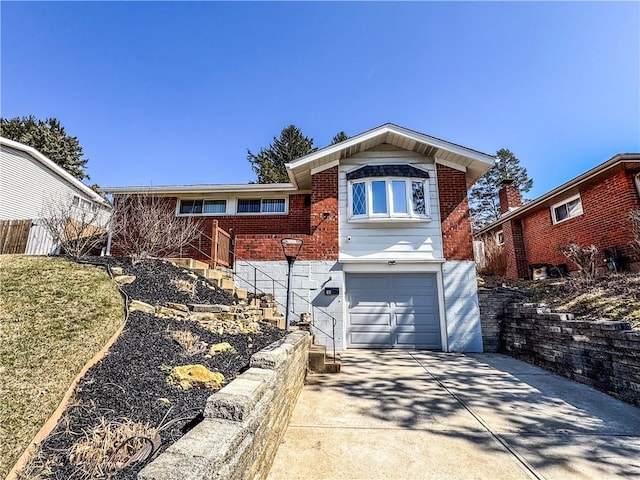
{"x": 566, "y": 209}
{"x": 388, "y": 198}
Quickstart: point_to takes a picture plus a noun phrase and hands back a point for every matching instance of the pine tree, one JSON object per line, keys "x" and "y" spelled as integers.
{"x": 339, "y": 137}
{"x": 50, "y": 139}
{"x": 483, "y": 197}
{"x": 269, "y": 163}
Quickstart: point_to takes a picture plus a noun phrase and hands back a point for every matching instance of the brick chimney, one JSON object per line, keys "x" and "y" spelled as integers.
{"x": 509, "y": 195}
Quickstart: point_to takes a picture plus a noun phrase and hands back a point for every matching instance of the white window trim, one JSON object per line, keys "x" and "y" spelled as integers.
{"x": 389, "y": 216}
{"x": 500, "y": 237}
{"x": 232, "y": 207}
{"x": 553, "y": 207}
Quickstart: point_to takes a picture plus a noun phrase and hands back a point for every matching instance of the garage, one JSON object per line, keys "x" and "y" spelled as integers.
{"x": 393, "y": 311}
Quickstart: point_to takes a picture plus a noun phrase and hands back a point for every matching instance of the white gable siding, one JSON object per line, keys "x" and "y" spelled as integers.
{"x": 25, "y": 186}
{"x": 384, "y": 241}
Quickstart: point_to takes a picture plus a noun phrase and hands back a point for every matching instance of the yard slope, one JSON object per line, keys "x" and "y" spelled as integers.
{"x": 54, "y": 316}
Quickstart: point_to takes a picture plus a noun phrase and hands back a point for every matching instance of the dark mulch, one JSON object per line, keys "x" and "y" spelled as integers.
{"x": 154, "y": 283}
{"x": 130, "y": 382}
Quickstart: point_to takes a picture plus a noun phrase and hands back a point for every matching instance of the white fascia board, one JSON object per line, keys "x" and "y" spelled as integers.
{"x": 391, "y": 128}
{"x": 181, "y": 189}
{"x": 56, "y": 169}
{"x": 447, "y": 163}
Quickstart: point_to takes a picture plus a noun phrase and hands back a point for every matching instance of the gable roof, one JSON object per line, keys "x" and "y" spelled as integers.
{"x": 474, "y": 163}
{"x": 572, "y": 187}
{"x": 55, "y": 169}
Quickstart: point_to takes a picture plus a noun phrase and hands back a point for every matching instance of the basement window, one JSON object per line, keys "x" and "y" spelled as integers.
{"x": 566, "y": 209}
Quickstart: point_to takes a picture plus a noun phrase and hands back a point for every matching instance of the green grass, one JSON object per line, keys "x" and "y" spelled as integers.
{"x": 54, "y": 316}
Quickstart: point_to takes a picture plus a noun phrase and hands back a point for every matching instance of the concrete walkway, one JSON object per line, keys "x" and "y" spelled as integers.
{"x": 424, "y": 415}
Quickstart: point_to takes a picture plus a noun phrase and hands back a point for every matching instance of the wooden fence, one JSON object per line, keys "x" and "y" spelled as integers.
{"x": 14, "y": 235}
{"x": 220, "y": 247}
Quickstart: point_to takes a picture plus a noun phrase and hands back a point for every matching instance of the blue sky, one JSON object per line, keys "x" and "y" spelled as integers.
{"x": 175, "y": 92}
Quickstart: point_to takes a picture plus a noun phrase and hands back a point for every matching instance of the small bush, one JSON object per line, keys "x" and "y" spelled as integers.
{"x": 583, "y": 257}
{"x": 495, "y": 259}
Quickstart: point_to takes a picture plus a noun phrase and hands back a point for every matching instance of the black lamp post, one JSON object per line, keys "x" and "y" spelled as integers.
{"x": 291, "y": 248}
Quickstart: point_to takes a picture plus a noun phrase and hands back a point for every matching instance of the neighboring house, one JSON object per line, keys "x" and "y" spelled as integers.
{"x": 387, "y": 250}
{"x": 591, "y": 209}
{"x": 30, "y": 183}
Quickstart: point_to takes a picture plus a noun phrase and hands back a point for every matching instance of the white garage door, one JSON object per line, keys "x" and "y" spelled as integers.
{"x": 393, "y": 310}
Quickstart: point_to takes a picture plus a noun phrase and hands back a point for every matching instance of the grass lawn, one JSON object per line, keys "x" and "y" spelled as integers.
{"x": 54, "y": 316}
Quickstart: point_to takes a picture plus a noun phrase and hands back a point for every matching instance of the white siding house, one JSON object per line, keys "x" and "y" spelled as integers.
{"x": 29, "y": 182}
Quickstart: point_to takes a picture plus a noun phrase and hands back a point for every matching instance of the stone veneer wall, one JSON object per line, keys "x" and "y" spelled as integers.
{"x": 601, "y": 354}
{"x": 244, "y": 421}
{"x": 493, "y": 305}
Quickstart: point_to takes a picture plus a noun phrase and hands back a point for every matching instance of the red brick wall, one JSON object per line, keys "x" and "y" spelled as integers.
{"x": 454, "y": 212}
{"x": 603, "y": 222}
{"x": 509, "y": 196}
{"x": 321, "y": 239}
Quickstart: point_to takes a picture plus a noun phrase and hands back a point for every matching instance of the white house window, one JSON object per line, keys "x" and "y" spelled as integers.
{"x": 390, "y": 198}
{"x": 566, "y": 209}
{"x": 500, "y": 237}
{"x": 264, "y": 205}
{"x": 200, "y": 206}
{"x": 83, "y": 204}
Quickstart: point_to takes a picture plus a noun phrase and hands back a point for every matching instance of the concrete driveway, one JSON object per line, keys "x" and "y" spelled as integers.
{"x": 423, "y": 415}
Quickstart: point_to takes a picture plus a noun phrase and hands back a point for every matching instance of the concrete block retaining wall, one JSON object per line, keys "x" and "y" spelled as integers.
{"x": 244, "y": 421}
{"x": 602, "y": 354}
{"x": 493, "y": 304}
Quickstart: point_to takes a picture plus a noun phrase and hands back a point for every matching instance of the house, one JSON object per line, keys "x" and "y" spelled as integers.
{"x": 387, "y": 256}
{"x": 591, "y": 209}
{"x": 30, "y": 183}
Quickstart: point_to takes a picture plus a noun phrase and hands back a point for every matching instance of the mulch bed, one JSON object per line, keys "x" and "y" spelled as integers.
{"x": 131, "y": 381}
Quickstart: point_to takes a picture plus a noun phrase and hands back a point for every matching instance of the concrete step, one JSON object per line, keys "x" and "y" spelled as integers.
{"x": 276, "y": 321}
{"x": 319, "y": 363}
{"x": 241, "y": 293}
{"x": 226, "y": 284}
{"x": 214, "y": 274}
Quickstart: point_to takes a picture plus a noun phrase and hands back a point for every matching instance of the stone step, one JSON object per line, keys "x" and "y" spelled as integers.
{"x": 319, "y": 363}
{"x": 241, "y": 293}
{"x": 214, "y": 275}
{"x": 228, "y": 285}
{"x": 278, "y": 322}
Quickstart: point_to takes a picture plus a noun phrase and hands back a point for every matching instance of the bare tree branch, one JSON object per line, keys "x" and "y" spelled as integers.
{"x": 146, "y": 226}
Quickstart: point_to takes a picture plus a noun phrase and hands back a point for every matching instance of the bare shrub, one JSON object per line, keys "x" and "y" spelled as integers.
{"x": 145, "y": 226}
{"x": 185, "y": 286}
{"x": 495, "y": 259}
{"x": 112, "y": 446}
{"x": 634, "y": 219}
{"x": 189, "y": 341}
{"x": 76, "y": 225}
{"x": 583, "y": 257}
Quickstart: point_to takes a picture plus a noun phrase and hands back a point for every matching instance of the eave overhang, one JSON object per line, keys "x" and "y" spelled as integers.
{"x": 474, "y": 163}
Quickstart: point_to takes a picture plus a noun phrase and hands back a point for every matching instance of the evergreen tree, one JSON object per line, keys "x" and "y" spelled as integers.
{"x": 339, "y": 137}
{"x": 50, "y": 139}
{"x": 483, "y": 197}
{"x": 269, "y": 163}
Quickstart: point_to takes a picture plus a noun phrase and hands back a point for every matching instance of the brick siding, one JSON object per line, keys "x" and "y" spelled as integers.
{"x": 454, "y": 212}
{"x": 321, "y": 236}
{"x": 603, "y": 223}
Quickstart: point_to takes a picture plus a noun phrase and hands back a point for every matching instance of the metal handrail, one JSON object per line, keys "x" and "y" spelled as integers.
{"x": 233, "y": 254}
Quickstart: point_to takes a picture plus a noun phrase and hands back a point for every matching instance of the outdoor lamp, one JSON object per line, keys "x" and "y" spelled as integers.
{"x": 290, "y": 248}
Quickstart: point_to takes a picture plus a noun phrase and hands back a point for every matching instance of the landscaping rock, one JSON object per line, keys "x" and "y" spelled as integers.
{"x": 221, "y": 347}
{"x": 189, "y": 376}
{"x": 177, "y": 306}
{"x": 117, "y": 270}
{"x": 125, "y": 279}
{"x": 138, "y": 306}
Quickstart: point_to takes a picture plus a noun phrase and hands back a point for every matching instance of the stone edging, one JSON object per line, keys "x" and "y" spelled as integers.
{"x": 244, "y": 421}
